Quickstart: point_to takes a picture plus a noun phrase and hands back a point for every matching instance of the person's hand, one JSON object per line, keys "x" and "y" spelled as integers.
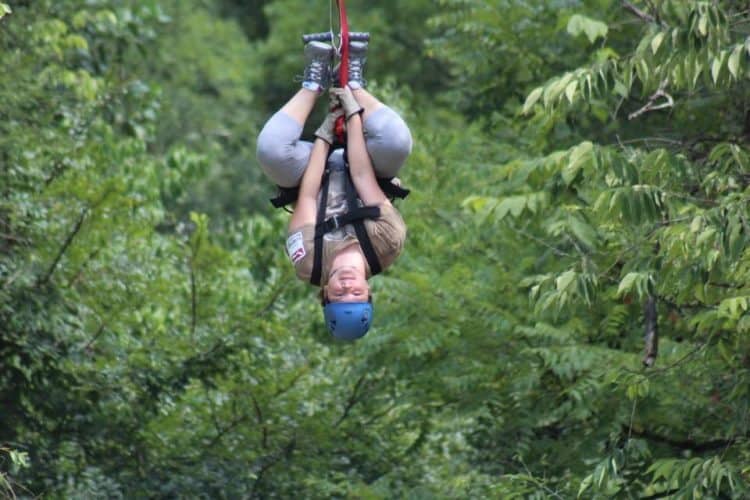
{"x": 326, "y": 129}
{"x": 347, "y": 100}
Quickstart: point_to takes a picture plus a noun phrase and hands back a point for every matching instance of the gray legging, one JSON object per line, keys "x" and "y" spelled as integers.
{"x": 283, "y": 156}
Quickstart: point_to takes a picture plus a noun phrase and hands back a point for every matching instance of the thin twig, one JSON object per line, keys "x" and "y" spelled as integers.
{"x": 221, "y": 432}
{"x": 261, "y": 422}
{"x": 656, "y": 371}
{"x": 645, "y": 16}
{"x": 555, "y": 250}
{"x": 57, "y": 169}
{"x": 632, "y": 418}
{"x": 264, "y": 463}
{"x": 96, "y": 336}
{"x": 652, "y": 332}
{"x": 292, "y": 382}
{"x": 81, "y": 218}
{"x": 194, "y": 250}
{"x": 353, "y": 400}
{"x": 381, "y": 414}
{"x": 10, "y": 237}
{"x": 272, "y": 299}
{"x": 77, "y": 276}
{"x": 64, "y": 248}
{"x": 13, "y": 277}
{"x": 651, "y": 104}
{"x": 687, "y": 444}
{"x": 193, "y": 301}
{"x": 651, "y": 139}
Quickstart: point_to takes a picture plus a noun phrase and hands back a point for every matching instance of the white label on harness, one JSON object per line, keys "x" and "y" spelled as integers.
{"x": 295, "y": 247}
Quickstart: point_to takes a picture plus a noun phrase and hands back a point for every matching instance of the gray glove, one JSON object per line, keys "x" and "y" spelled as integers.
{"x": 347, "y": 100}
{"x": 326, "y": 129}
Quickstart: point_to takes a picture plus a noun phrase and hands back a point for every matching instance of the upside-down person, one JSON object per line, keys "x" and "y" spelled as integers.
{"x": 344, "y": 228}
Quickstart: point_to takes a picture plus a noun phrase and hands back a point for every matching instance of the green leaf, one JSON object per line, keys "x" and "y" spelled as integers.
{"x": 476, "y": 203}
{"x": 703, "y": 25}
{"x": 635, "y": 281}
{"x": 583, "y": 231}
{"x": 565, "y": 279}
{"x": 4, "y": 10}
{"x": 592, "y": 28}
{"x": 643, "y": 71}
{"x": 512, "y": 204}
{"x": 697, "y": 70}
{"x": 585, "y": 484}
{"x": 580, "y": 155}
{"x": 555, "y": 88}
{"x": 570, "y": 90}
{"x": 734, "y": 307}
{"x": 621, "y": 89}
{"x": 19, "y": 458}
{"x": 532, "y": 99}
{"x": 716, "y": 66}
{"x": 662, "y": 469}
{"x": 656, "y": 42}
{"x": 734, "y": 61}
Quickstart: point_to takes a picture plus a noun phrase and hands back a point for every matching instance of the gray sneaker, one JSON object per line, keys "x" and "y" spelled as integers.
{"x": 318, "y": 58}
{"x": 357, "y": 59}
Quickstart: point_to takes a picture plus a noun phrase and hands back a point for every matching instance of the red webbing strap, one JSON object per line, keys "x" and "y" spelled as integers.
{"x": 340, "y": 129}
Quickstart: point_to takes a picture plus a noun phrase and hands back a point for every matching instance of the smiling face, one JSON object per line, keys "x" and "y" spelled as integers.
{"x": 347, "y": 284}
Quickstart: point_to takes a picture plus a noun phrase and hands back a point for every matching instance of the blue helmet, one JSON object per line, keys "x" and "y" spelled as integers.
{"x": 348, "y": 320}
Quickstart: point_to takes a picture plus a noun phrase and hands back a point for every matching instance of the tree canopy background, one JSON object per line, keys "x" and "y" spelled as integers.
{"x": 569, "y": 317}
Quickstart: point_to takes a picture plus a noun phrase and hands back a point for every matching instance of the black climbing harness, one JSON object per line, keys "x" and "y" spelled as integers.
{"x": 287, "y": 196}
{"x": 354, "y": 215}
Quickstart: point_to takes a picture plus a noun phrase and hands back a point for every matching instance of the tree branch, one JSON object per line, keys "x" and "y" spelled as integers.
{"x": 77, "y": 276}
{"x": 193, "y": 301}
{"x": 381, "y": 414}
{"x": 221, "y": 432}
{"x": 259, "y": 417}
{"x": 10, "y": 237}
{"x": 353, "y": 400}
{"x": 272, "y": 299}
{"x": 651, "y": 104}
{"x": 675, "y": 364}
{"x": 96, "y": 336}
{"x": 663, "y": 494}
{"x": 686, "y": 444}
{"x": 644, "y": 16}
{"x": 57, "y": 169}
{"x": 76, "y": 229}
{"x": 264, "y": 463}
{"x": 292, "y": 382}
{"x": 12, "y": 278}
{"x": 652, "y": 332}
{"x": 64, "y": 248}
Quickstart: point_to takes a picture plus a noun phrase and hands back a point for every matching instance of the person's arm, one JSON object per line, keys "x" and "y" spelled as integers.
{"x": 306, "y": 208}
{"x": 360, "y": 164}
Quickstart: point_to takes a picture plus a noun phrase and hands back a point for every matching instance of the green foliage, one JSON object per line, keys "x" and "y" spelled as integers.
{"x": 642, "y": 213}
{"x": 593, "y": 29}
{"x": 580, "y": 179}
{"x": 17, "y": 460}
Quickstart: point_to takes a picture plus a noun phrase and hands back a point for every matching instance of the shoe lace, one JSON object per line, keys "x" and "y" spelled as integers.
{"x": 316, "y": 70}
